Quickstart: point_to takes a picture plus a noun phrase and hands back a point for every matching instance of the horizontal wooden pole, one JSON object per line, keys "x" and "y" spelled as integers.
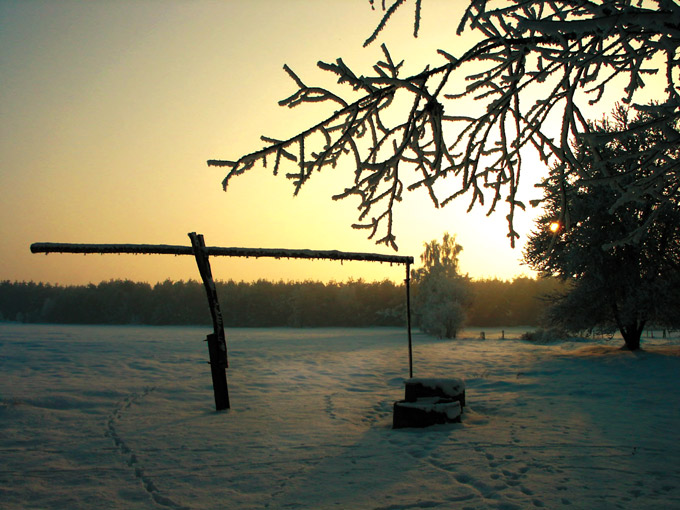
{"x": 150, "y": 249}
{"x": 216, "y": 251}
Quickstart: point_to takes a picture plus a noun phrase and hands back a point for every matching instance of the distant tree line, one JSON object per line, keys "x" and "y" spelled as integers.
{"x": 354, "y": 303}
{"x": 520, "y": 302}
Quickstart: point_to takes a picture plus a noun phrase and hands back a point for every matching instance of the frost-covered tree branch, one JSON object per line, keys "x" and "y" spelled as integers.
{"x": 538, "y": 65}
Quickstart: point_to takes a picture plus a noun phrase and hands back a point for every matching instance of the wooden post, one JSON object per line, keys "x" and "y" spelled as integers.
{"x": 408, "y": 318}
{"x": 217, "y": 343}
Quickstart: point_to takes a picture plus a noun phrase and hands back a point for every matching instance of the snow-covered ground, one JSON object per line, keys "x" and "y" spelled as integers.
{"x": 122, "y": 417}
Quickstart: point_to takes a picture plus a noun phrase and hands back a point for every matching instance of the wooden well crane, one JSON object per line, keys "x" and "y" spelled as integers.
{"x": 217, "y": 344}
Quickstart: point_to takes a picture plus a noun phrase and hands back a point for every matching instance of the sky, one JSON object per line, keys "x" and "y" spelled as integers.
{"x": 109, "y": 111}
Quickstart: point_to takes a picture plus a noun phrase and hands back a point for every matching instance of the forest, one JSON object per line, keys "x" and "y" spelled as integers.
{"x": 354, "y": 303}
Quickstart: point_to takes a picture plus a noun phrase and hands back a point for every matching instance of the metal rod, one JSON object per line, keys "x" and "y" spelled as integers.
{"x": 408, "y": 318}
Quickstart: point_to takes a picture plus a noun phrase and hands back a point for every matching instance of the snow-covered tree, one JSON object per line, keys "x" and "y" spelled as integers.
{"x": 536, "y": 68}
{"x": 441, "y": 294}
{"x": 616, "y": 284}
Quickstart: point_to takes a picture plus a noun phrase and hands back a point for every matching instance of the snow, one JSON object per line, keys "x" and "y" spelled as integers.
{"x": 123, "y": 418}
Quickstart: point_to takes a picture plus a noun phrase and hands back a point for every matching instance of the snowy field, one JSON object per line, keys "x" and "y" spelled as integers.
{"x": 123, "y": 418}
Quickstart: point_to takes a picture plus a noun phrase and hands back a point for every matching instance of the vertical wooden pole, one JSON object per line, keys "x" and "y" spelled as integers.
{"x": 408, "y": 318}
{"x": 217, "y": 343}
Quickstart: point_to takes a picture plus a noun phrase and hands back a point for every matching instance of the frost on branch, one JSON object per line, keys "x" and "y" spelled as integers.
{"x": 380, "y": 151}
{"x": 537, "y": 62}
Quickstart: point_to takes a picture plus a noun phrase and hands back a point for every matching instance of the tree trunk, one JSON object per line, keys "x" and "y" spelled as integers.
{"x": 631, "y": 334}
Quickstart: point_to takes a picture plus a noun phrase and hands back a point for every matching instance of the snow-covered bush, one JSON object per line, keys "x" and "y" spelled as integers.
{"x": 441, "y": 305}
{"x": 441, "y": 294}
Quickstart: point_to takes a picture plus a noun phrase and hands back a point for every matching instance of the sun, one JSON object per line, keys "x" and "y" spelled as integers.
{"x": 555, "y": 227}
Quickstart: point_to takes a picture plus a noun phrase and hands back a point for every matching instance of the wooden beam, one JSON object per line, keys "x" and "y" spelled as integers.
{"x": 216, "y": 251}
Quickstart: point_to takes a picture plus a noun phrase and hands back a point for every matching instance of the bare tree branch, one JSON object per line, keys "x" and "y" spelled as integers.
{"x": 537, "y": 61}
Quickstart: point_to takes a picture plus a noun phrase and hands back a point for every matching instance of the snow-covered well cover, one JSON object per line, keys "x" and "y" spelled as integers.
{"x": 123, "y": 418}
{"x": 452, "y": 410}
{"x": 449, "y": 386}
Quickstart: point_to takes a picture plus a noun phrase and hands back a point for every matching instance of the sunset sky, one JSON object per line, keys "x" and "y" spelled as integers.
{"x": 110, "y": 109}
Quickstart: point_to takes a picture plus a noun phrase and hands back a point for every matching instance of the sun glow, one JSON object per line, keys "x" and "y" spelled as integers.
{"x": 555, "y": 227}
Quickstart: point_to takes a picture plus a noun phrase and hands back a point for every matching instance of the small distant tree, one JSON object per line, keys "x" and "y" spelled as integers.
{"x": 441, "y": 294}
{"x": 621, "y": 257}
